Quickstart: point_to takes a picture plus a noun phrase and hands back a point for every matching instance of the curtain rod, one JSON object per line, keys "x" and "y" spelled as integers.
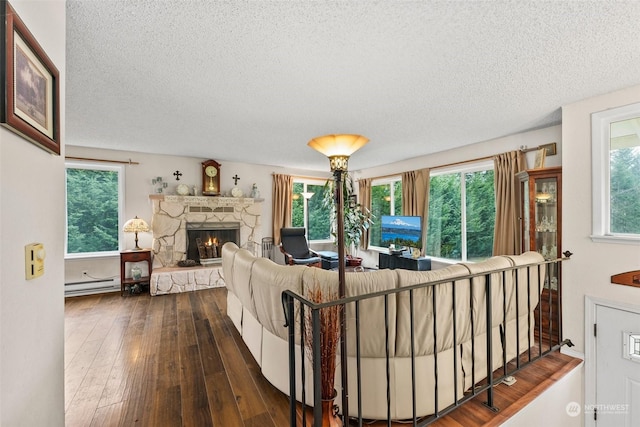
{"x": 392, "y": 175}
{"x": 123, "y": 162}
{"x": 302, "y": 176}
{"x": 551, "y": 150}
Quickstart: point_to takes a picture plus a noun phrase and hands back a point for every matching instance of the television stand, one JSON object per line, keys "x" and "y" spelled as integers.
{"x": 404, "y": 262}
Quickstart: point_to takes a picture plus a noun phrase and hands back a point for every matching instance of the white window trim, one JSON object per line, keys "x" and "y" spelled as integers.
{"x": 121, "y": 176}
{"x": 305, "y": 182}
{"x": 390, "y": 180}
{"x": 479, "y": 166}
{"x": 600, "y": 172}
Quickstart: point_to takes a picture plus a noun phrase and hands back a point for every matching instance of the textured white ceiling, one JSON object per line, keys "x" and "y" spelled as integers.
{"x": 254, "y": 81}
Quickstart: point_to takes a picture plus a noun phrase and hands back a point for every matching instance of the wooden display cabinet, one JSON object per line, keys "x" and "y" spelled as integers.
{"x": 541, "y": 224}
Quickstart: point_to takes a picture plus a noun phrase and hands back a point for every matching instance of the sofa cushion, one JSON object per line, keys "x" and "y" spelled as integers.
{"x": 497, "y": 291}
{"x": 229, "y": 251}
{"x": 241, "y": 277}
{"x": 423, "y": 310}
{"x": 502, "y": 305}
{"x": 525, "y": 279}
{"x": 372, "y": 320}
{"x": 268, "y": 281}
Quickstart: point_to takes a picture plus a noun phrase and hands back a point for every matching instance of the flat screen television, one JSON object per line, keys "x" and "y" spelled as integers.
{"x": 401, "y": 231}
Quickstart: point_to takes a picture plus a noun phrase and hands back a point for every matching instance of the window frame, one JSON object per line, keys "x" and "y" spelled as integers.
{"x": 601, "y": 174}
{"x": 309, "y": 181}
{"x": 470, "y": 167}
{"x": 120, "y": 169}
{"x": 390, "y": 181}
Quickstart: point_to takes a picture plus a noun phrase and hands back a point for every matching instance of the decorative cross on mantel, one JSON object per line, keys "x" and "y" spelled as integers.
{"x": 235, "y": 179}
{"x": 177, "y": 174}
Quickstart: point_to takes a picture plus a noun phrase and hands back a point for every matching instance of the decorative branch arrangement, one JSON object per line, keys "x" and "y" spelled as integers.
{"x": 329, "y": 336}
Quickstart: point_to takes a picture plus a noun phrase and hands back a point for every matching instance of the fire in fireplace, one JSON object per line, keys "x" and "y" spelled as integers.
{"x": 205, "y": 239}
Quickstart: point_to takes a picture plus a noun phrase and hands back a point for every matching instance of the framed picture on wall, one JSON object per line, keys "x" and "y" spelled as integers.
{"x": 541, "y": 154}
{"x": 30, "y": 84}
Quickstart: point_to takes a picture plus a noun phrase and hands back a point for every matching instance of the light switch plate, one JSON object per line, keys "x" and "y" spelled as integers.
{"x": 34, "y": 255}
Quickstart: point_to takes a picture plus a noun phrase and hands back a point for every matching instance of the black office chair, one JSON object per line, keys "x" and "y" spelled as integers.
{"x": 294, "y": 246}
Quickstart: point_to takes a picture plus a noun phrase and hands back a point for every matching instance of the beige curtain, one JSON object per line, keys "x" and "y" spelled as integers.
{"x": 415, "y": 198}
{"x": 282, "y": 204}
{"x": 364, "y": 192}
{"x": 506, "y": 237}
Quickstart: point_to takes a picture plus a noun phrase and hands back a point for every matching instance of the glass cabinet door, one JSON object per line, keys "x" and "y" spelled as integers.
{"x": 546, "y": 215}
{"x": 541, "y": 214}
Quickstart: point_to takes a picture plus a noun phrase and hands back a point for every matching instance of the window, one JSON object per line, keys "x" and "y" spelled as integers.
{"x": 386, "y": 199}
{"x": 461, "y": 213}
{"x": 308, "y": 210}
{"x": 616, "y": 181}
{"x": 94, "y": 194}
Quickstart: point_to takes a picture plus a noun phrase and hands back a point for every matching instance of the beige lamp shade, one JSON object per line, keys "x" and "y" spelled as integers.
{"x": 136, "y": 225}
{"x": 338, "y": 148}
{"x": 338, "y": 145}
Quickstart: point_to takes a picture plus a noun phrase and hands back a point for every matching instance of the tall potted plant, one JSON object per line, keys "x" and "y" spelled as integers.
{"x": 357, "y": 218}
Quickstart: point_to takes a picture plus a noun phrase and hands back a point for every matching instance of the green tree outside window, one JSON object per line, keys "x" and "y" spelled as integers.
{"x": 92, "y": 210}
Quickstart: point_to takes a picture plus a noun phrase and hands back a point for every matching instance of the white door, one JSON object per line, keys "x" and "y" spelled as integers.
{"x": 617, "y": 368}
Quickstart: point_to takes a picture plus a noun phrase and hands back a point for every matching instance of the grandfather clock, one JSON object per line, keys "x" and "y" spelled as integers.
{"x": 210, "y": 178}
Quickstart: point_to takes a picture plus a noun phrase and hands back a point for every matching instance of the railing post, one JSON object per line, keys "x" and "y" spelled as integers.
{"x": 290, "y": 324}
{"x": 317, "y": 380}
{"x": 489, "y": 402}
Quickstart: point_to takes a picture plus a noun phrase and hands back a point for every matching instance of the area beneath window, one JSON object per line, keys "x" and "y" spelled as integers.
{"x": 616, "y": 239}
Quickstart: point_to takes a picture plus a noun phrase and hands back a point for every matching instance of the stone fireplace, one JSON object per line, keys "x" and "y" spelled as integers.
{"x": 178, "y": 222}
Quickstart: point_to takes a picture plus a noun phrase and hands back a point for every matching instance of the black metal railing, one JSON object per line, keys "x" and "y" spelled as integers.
{"x": 303, "y": 323}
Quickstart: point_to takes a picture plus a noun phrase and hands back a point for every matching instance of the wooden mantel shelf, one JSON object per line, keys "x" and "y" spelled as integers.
{"x": 195, "y": 199}
{"x": 630, "y": 278}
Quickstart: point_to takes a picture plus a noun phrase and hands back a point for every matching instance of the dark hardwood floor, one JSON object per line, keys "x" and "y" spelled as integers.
{"x": 177, "y": 360}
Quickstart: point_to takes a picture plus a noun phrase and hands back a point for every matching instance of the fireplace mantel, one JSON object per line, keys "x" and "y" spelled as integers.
{"x": 171, "y": 214}
{"x": 204, "y": 200}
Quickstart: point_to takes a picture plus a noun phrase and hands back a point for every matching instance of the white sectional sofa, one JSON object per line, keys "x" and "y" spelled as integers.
{"x": 254, "y": 304}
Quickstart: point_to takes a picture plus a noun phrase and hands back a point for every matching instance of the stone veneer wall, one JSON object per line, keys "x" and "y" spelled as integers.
{"x": 172, "y": 213}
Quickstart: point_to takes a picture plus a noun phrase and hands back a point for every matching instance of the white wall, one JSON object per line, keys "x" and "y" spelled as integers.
{"x": 592, "y": 265}
{"x": 32, "y": 210}
{"x": 529, "y": 139}
{"x": 138, "y": 187}
{"x": 551, "y": 407}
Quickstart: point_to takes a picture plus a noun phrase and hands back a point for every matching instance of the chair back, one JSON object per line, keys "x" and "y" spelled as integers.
{"x": 267, "y": 247}
{"x": 294, "y": 241}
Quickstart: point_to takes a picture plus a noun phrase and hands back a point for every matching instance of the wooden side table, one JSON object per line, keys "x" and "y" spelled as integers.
{"x": 134, "y": 256}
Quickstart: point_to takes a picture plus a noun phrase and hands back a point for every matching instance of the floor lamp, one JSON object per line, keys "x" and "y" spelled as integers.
{"x": 338, "y": 148}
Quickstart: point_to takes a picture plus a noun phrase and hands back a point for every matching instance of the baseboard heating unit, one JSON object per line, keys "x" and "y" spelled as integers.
{"x": 88, "y": 287}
